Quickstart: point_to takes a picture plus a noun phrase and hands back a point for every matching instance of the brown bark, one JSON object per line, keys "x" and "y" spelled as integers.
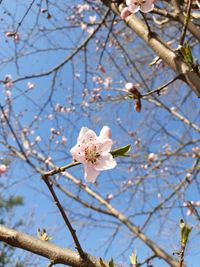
{"x": 50, "y": 251}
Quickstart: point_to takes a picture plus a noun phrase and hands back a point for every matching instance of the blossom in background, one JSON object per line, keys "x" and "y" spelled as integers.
{"x": 94, "y": 152}
{"x": 134, "y": 6}
{"x": 30, "y": 85}
{"x": 191, "y": 205}
{"x": 152, "y": 157}
{"x": 3, "y": 169}
{"x": 8, "y": 81}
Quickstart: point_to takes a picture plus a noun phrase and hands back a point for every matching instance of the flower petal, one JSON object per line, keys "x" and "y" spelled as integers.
{"x": 78, "y": 154}
{"x": 129, "y": 2}
{"x": 104, "y": 146}
{"x": 86, "y": 135}
{"x": 133, "y": 8}
{"x": 105, "y": 162}
{"x": 105, "y": 132}
{"x": 147, "y": 7}
{"x": 90, "y": 173}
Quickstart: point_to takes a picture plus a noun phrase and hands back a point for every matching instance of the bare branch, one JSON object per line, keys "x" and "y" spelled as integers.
{"x": 50, "y": 251}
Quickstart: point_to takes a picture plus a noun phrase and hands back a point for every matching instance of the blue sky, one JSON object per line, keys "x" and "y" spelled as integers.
{"x": 154, "y": 127}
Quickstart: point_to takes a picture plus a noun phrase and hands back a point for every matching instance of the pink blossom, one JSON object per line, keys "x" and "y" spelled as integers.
{"x": 8, "y": 81}
{"x": 135, "y": 5}
{"x": 30, "y": 85}
{"x": 3, "y": 169}
{"x": 191, "y": 205}
{"x": 94, "y": 152}
{"x": 63, "y": 140}
{"x": 152, "y": 157}
{"x": 92, "y": 19}
{"x": 38, "y": 138}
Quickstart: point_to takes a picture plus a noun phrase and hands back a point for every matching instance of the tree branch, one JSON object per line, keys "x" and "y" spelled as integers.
{"x": 50, "y": 251}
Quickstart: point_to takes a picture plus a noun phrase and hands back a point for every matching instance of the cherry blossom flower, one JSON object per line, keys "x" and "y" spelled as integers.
{"x": 94, "y": 152}
{"x": 142, "y": 5}
{"x": 134, "y": 6}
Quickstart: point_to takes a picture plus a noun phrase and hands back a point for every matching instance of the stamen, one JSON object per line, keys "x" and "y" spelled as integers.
{"x": 91, "y": 154}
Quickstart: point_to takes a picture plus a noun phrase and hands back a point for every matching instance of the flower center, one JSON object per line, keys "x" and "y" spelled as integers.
{"x": 140, "y": 2}
{"x": 91, "y": 154}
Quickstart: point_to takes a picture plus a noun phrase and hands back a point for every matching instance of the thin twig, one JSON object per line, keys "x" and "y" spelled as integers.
{"x": 147, "y": 24}
{"x": 161, "y": 87}
{"x": 186, "y": 21}
{"x": 49, "y": 184}
{"x": 61, "y": 169}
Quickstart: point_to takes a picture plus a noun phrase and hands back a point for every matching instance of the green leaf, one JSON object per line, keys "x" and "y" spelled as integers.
{"x": 111, "y": 263}
{"x": 133, "y": 259}
{"x": 187, "y": 53}
{"x": 184, "y": 231}
{"x": 121, "y": 152}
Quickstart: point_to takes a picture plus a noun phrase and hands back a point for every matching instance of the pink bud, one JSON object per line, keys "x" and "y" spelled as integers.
{"x": 10, "y": 34}
{"x": 197, "y": 204}
{"x": 138, "y": 105}
{"x": 101, "y": 68}
{"x": 3, "y": 168}
{"x": 152, "y": 157}
{"x": 30, "y": 85}
{"x": 43, "y": 10}
{"x": 189, "y": 212}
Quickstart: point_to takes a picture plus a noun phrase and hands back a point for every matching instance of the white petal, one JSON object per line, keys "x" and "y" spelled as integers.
{"x": 86, "y": 134}
{"x": 105, "y": 162}
{"x": 90, "y": 173}
{"x": 128, "y": 2}
{"x": 105, "y": 132}
{"x": 78, "y": 154}
{"x": 104, "y": 146}
{"x": 147, "y": 6}
{"x": 133, "y": 8}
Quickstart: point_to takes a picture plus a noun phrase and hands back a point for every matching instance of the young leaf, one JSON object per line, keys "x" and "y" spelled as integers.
{"x": 111, "y": 263}
{"x": 121, "y": 152}
{"x": 102, "y": 263}
{"x": 184, "y": 231}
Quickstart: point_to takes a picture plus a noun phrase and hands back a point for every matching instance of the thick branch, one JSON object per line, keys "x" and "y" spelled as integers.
{"x": 171, "y": 58}
{"x": 45, "y": 249}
